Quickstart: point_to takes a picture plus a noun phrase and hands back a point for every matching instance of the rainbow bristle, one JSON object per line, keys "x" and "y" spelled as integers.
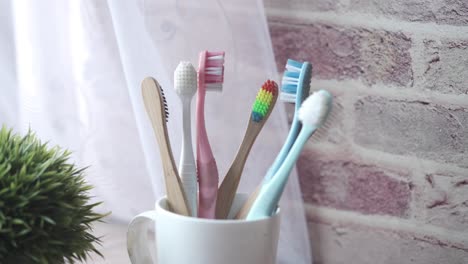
{"x": 263, "y": 100}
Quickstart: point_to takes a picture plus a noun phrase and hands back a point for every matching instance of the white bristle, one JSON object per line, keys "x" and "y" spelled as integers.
{"x": 314, "y": 110}
{"x": 217, "y": 57}
{"x": 328, "y": 129}
{"x": 185, "y": 78}
{"x": 214, "y": 70}
{"x": 289, "y": 80}
{"x": 292, "y": 68}
{"x": 287, "y": 97}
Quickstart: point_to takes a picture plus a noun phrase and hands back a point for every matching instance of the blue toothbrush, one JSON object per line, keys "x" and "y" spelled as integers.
{"x": 295, "y": 87}
{"x": 312, "y": 114}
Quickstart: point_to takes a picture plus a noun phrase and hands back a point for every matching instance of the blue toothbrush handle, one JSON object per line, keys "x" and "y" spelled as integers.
{"x": 295, "y": 126}
{"x": 270, "y": 193}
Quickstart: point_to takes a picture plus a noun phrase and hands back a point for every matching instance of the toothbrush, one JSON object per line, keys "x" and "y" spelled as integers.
{"x": 156, "y": 107}
{"x": 210, "y": 78}
{"x": 295, "y": 87}
{"x": 312, "y": 114}
{"x": 261, "y": 110}
{"x": 185, "y": 84}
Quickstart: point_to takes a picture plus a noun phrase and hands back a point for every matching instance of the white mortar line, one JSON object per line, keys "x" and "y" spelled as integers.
{"x": 406, "y": 164}
{"x": 455, "y": 239}
{"x": 356, "y": 87}
{"x": 411, "y": 163}
{"x": 419, "y": 61}
{"x": 355, "y": 19}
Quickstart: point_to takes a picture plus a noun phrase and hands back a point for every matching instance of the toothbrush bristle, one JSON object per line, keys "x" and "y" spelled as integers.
{"x": 166, "y": 108}
{"x": 213, "y": 70}
{"x": 307, "y": 72}
{"x": 296, "y": 81}
{"x": 315, "y": 109}
{"x": 185, "y": 79}
{"x": 263, "y": 101}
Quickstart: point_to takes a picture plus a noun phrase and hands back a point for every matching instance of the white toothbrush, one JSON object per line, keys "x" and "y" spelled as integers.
{"x": 312, "y": 114}
{"x": 185, "y": 84}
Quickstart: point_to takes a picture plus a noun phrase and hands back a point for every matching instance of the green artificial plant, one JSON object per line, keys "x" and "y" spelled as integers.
{"x": 45, "y": 209}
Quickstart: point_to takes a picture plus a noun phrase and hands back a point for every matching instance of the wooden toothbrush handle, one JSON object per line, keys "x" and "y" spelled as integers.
{"x": 228, "y": 188}
{"x": 154, "y": 104}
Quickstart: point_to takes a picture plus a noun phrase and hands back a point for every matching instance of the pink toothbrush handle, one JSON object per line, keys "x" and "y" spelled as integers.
{"x": 206, "y": 164}
{"x": 208, "y": 188}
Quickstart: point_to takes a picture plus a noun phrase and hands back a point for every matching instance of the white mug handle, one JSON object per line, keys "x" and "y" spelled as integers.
{"x": 138, "y": 247}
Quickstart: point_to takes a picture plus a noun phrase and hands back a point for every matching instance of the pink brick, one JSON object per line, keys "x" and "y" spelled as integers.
{"x": 442, "y": 201}
{"x": 446, "y": 66}
{"x": 453, "y": 12}
{"x": 352, "y": 186}
{"x": 413, "y": 128}
{"x": 340, "y": 244}
{"x": 375, "y": 56}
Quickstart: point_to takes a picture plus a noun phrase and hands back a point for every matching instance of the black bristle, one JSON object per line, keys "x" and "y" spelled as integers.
{"x": 166, "y": 108}
{"x": 306, "y": 88}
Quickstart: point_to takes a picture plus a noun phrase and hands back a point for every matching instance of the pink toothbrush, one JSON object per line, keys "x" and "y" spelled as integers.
{"x": 210, "y": 77}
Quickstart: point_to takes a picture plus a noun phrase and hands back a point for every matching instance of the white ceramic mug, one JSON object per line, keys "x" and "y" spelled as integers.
{"x": 188, "y": 240}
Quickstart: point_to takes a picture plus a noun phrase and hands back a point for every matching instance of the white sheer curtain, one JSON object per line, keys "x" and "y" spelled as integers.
{"x": 71, "y": 71}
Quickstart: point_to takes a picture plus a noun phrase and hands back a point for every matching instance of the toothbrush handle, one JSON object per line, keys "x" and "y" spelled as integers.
{"x": 206, "y": 164}
{"x": 292, "y": 135}
{"x": 187, "y": 168}
{"x": 271, "y": 191}
{"x": 208, "y": 182}
{"x": 293, "y": 132}
{"x": 188, "y": 176}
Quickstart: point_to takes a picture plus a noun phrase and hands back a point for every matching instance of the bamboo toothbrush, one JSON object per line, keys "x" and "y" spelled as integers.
{"x": 185, "y": 84}
{"x": 156, "y": 107}
{"x": 210, "y": 78}
{"x": 261, "y": 110}
{"x": 312, "y": 114}
{"x": 295, "y": 87}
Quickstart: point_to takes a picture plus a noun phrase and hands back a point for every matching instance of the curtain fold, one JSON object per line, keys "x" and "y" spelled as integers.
{"x": 8, "y": 88}
{"x": 72, "y": 73}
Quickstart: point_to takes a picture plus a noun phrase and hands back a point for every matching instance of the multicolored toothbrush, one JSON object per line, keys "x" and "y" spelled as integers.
{"x": 261, "y": 110}
{"x": 185, "y": 85}
{"x": 312, "y": 114}
{"x": 295, "y": 87}
{"x": 210, "y": 78}
{"x": 156, "y": 107}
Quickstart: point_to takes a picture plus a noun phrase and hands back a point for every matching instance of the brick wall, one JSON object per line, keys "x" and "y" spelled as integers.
{"x": 388, "y": 183}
